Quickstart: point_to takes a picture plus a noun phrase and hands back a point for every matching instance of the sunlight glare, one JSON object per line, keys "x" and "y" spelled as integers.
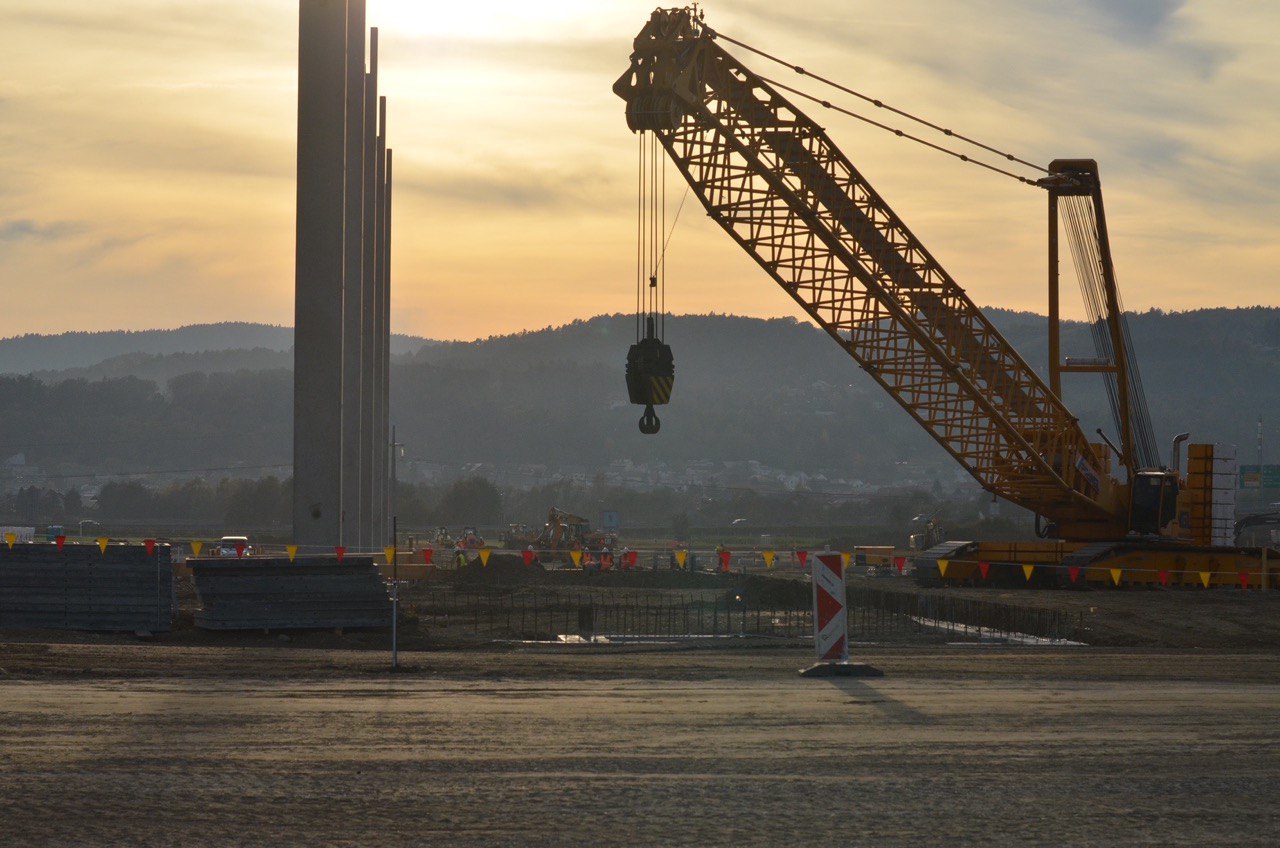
{"x": 495, "y": 20}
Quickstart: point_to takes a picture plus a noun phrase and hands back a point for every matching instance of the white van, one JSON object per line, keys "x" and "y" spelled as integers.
{"x": 227, "y": 547}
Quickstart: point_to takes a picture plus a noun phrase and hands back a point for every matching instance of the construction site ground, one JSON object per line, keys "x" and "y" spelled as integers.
{"x": 1162, "y": 732}
{"x": 116, "y": 743}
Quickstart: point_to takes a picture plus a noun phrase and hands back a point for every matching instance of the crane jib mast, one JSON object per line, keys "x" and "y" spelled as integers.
{"x": 790, "y": 198}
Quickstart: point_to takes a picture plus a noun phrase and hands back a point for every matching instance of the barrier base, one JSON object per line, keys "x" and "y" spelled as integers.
{"x": 841, "y": 669}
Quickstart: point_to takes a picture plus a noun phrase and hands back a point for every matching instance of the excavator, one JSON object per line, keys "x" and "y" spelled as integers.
{"x": 781, "y": 189}
{"x": 562, "y": 533}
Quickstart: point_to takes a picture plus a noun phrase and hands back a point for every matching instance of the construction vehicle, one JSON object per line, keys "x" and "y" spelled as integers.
{"x": 562, "y": 532}
{"x": 774, "y": 181}
{"x": 1259, "y": 529}
{"x": 517, "y": 537}
{"x": 928, "y": 533}
{"x": 470, "y": 540}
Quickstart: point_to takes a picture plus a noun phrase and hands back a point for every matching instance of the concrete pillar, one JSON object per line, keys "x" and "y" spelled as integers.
{"x": 368, "y": 331}
{"x": 388, "y": 444}
{"x": 318, "y": 301}
{"x": 352, "y": 280}
{"x": 380, "y": 329}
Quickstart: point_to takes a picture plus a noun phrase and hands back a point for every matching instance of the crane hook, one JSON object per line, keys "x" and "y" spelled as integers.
{"x": 649, "y": 422}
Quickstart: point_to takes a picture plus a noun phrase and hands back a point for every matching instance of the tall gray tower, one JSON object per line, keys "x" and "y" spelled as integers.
{"x": 342, "y": 282}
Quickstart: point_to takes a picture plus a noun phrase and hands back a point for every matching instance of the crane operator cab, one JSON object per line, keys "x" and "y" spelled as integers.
{"x": 1153, "y": 502}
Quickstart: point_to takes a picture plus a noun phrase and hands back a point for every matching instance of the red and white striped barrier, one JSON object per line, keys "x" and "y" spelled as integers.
{"x": 830, "y": 625}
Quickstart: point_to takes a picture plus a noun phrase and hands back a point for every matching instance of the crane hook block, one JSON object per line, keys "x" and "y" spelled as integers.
{"x": 649, "y": 423}
{"x": 651, "y": 373}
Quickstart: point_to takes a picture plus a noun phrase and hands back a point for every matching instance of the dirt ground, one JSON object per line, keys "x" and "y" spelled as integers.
{"x": 1140, "y": 616}
{"x": 119, "y": 743}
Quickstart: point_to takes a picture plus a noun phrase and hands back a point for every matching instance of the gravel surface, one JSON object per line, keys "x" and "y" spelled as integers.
{"x": 117, "y": 743}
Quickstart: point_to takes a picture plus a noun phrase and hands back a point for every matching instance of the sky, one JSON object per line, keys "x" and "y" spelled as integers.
{"x": 147, "y": 170}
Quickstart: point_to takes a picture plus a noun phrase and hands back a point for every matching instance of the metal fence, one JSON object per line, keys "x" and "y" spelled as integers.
{"x": 873, "y": 614}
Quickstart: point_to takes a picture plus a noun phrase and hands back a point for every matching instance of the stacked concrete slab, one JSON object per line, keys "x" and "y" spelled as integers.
{"x": 125, "y": 588}
{"x": 272, "y": 593}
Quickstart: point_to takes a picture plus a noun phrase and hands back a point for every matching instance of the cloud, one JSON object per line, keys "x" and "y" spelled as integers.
{"x": 22, "y": 229}
{"x": 512, "y": 186}
{"x": 1137, "y": 21}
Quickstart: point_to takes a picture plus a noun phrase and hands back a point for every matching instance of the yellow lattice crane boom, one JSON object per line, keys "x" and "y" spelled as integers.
{"x": 785, "y": 193}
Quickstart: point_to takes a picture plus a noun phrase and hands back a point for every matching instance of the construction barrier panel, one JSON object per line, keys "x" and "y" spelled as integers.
{"x": 830, "y": 624}
{"x": 105, "y": 588}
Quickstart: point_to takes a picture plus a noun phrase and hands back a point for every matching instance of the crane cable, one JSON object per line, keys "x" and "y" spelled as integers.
{"x": 652, "y": 234}
{"x": 882, "y": 105}
{"x": 1082, "y": 237}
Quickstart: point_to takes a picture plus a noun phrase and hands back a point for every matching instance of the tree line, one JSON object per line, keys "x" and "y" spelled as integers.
{"x": 262, "y": 508}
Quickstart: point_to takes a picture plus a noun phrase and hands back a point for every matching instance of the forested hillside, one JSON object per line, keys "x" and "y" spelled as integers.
{"x": 775, "y": 391}
{"x": 114, "y": 353}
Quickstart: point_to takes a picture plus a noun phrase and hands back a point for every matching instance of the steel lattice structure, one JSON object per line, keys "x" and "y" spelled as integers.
{"x": 778, "y": 186}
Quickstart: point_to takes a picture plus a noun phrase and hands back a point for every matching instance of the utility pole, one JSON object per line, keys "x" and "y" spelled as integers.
{"x": 396, "y": 447}
{"x": 395, "y": 598}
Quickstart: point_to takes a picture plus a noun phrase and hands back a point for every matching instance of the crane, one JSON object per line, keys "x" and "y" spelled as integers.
{"x": 781, "y": 189}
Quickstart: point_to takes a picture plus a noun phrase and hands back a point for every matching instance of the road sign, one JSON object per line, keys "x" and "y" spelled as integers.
{"x": 1260, "y": 476}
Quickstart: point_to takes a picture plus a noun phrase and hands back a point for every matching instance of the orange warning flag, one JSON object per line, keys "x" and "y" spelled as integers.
{"x": 803, "y": 556}
{"x": 390, "y": 553}
{"x": 197, "y": 547}
{"x": 428, "y": 554}
{"x": 292, "y": 551}
{"x": 576, "y": 556}
{"x": 102, "y": 543}
{"x": 484, "y": 556}
{"x": 681, "y": 556}
{"x": 1115, "y": 575}
{"x": 768, "y": 558}
{"x": 844, "y": 558}
{"x": 1026, "y": 571}
{"x": 1204, "y": 578}
{"x": 942, "y": 567}
{"x": 10, "y": 538}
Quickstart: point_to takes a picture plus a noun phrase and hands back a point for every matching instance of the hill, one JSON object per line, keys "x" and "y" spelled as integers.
{"x": 756, "y": 393}
{"x": 69, "y": 355}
